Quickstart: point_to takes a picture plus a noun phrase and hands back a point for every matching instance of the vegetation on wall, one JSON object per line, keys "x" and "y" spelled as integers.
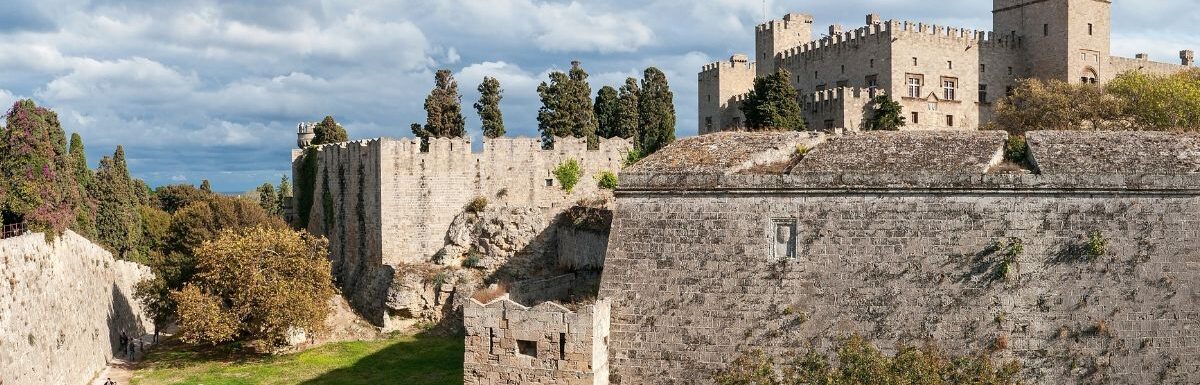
{"x": 888, "y": 114}
{"x": 859, "y": 362}
{"x": 306, "y": 186}
{"x": 256, "y": 287}
{"x": 568, "y": 173}
{"x": 488, "y": 107}
{"x": 607, "y": 180}
{"x": 773, "y": 104}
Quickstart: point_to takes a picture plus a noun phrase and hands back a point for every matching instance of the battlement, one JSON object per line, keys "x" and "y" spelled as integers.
{"x": 839, "y": 93}
{"x": 895, "y": 29}
{"x": 790, "y": 20}
{"x": 735, "y": 62}
{"x": 463, "y": 146}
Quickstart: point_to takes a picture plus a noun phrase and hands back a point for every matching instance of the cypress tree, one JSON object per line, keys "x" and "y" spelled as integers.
{"x": 285, "y": 193}
{"x": 37, "y": 183}
{"x": 85, "y": 213}
{"x": 488, "y": 107}
{"x": 83, "y": 174}
{"x": 329, "y": 131}
{"x": 566, "y": 106}
{"x": 267, "y": 199}
{"x": 656, "y": 111}
{"x": 118, "y": 222}
{"x": 773, "y": 104}
{"x": 627, "y": 119}
{"x": 443, "y": 109}
{"x": 607, "y": 104}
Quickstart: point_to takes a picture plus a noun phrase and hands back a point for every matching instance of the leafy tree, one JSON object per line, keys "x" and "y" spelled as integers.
{"x": 37, "y": 183}
{"x": 627, "y": 119}
{"x": 488, "y": 107}
{"x": 607, "y": 105}
{"x": 205, "y": 186}
{"x": 1056, "y": 105}
{"x": 656, "y": 111}
{"x": 142, "y": 191}
{"x": 889, "y": 114}
{"x": 329, "y": 131}
{"x": 118, "y": 223}
{"x": 174, "y": 197}
{"x": 567, "y": 109}
{"x": 773, "y": 104}
{"x": 256, "y": 286}
{"x": 267, "y": 199}
{"x": 1157, "y": 102}
{"x": 860, "y": 362}
{"x": 443, "y": 110}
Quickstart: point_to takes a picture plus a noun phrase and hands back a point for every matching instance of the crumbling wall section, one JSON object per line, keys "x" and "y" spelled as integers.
{"x": 63, "y": 307}
{"x": 509, "y": 343}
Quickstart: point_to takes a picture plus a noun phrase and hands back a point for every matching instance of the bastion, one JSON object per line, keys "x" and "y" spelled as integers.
{"x": 1079, "y": 261}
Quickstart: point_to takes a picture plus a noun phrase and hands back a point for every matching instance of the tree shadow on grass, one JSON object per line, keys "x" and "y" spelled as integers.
{"x": 425, "y": 359}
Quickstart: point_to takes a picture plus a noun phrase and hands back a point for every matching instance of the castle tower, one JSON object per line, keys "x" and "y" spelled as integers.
{"x": 1187, "y": 58}
{"x": 305, "y": 134}
{"x": 1059, "y": 39}
{"x": 719, "y": 83}
{"x": 775, "y": 36}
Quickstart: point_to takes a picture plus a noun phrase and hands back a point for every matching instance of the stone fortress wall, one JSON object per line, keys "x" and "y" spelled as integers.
{"x": 63, "y": 306}
{"x": 1058, "y": 39}
{"x": 393, "y": 203}
{"x": 910, "y": 237}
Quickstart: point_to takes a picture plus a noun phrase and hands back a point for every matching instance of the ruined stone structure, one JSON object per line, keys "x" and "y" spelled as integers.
{"x": 63, "y": 306}
{"x": 945, "y": 78}
{"x": 548, "y": 343}
{"x": 731, "y": 242}
{"x": 387, "y": 207}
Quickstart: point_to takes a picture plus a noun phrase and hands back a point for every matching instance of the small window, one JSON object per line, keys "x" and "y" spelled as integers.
{"x": 872, "y": 63}
{"x": 914, "y": 61}
{"x": 1091, "y": 30}
{"x": 843, "y": 68}
{"x": 982, "y": 68}
{"x": 784, "y": 245}
{"x": 1045, "y": 29}
{"x": 549, "y": 182}
{"x": 709, "y": 97}
{"x": 949, "y": 120}
{"x": 562, "y": 346}
{"x": 1010, "y": 71}
{"x": 708, "y": 123}
{"x": 914, "y": 83}
{"x": 950, "y": 65}
{"x": 816, "y": 74}
{"x": 983, "y": 93}
{"x": 916, "y": 118}
{"x": 527, "y": 348}
{"x": 872, "y": 84}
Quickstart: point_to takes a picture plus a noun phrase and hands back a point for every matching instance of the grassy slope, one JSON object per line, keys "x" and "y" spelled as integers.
{"x": 410, "y": 360}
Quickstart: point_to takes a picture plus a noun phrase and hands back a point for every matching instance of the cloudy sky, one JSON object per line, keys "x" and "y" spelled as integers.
{"x": 214, "y": 89}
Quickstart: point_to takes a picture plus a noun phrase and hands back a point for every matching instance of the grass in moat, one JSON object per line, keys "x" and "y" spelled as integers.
{"x": 411, "y": 360}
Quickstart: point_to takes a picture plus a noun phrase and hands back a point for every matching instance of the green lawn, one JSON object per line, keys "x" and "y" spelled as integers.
{"x": 409, "y": 360}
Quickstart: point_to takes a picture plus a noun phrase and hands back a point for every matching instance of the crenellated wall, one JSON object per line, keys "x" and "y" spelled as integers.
{"x": 63, "y": 306}
{"x": 392, "y": 204}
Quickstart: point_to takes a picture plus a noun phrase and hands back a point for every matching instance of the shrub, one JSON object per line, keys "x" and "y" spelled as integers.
{"x": 1097, "y": 245}
{"x": 1016, "y": 150}
{"x": 801, "y": 150}
{"x": 631, "y": 157}
{"x": 472, "y": 260}
{"x": 860, "y": 362}
{"x": 477, "y": 205}
{"x": 607, "y": 180}
{"x": 568, "y": 174}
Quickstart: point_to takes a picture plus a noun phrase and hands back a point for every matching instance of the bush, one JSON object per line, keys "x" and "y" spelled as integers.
{"x": 477, "y": 205}
{"x": 1016, "y": 150}
{"x": 1097, "y": 245}
{"x": 860, "y": 362}
{"x": 631, "y": 157}
{"x": 568, "y": 174}
{"x": 607, "y": 180}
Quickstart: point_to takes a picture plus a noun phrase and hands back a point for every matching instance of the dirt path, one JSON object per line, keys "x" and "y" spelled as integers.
{"x": 119, "y": 370}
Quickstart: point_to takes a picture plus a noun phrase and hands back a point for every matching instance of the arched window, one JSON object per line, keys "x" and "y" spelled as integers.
{"x": 1089, "y": 76}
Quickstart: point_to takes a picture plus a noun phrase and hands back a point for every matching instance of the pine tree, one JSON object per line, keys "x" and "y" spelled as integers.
{"x": 627, "y": 120}
{"x": 566, "y": 107}
{"x": 443, "y": 109}
{"x": 267, "y": 199}
{"x": 773, "y": 104}
{"x": 889, "y": 114}
{"x": 488, "y": 107}
{"x": 656, "y": 111}
{"x": 329, "y": 131}
{"x": 118, "y": 222}
{"x": 37, "y": 184}
{"x": 607, "y": 105}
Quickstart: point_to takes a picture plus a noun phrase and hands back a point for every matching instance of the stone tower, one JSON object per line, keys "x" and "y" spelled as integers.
{"x": 775, "y": 36}
{"x": 305, "y": 134}
{"x": 1059, "y": 39}
{"x": 719, "y": 84}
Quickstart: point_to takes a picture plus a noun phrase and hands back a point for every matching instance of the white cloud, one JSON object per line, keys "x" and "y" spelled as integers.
{"x": 138, "y": 80}
{"x": 572, "y": 27}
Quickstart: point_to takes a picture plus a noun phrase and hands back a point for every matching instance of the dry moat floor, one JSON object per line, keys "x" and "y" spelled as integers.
{"x": 411, "y": 360}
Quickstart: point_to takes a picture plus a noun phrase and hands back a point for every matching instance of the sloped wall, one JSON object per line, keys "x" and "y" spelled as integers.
{"x": 63, "y": 306}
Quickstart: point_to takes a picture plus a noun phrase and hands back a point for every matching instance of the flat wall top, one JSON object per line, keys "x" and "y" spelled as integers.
{"x": 947, "y": 152}
{"x": 1062, "y": 161}
{"x": 1117, "y": 152}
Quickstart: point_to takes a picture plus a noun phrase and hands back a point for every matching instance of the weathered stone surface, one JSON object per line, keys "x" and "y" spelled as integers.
{"x": 63, "y": 306}
{"x": 1115, "y": 152}
{"x": 512, "y": 236}
{"x": 951, "y": 152}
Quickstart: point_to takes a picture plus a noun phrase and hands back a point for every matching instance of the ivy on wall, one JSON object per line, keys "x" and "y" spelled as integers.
{"x": 304, "y": 186}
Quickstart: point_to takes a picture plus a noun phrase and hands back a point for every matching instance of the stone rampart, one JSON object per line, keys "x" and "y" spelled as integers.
{"x": 385, "y": 205}
{"x": 63, "y": 306}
